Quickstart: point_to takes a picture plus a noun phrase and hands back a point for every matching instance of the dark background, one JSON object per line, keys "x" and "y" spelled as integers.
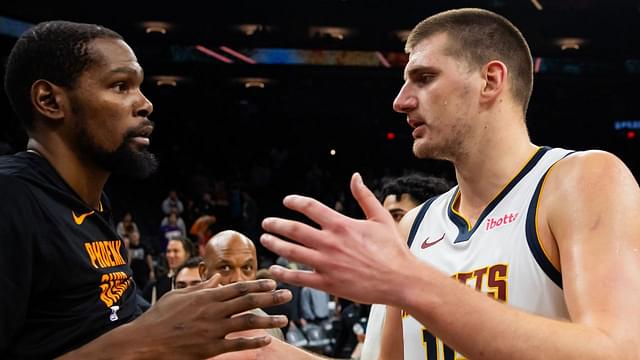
{"x": 274, "y": 141}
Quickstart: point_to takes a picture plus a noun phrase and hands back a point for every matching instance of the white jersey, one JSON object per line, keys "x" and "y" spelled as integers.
{"x": 500, "y": 255}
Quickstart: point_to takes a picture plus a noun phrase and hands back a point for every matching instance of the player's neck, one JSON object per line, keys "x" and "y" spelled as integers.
{"x": 85, "y": 178}
{"x": 490, "y": 164}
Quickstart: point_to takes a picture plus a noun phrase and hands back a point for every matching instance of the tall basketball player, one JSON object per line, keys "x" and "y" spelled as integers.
{"x": 534, "y": 255}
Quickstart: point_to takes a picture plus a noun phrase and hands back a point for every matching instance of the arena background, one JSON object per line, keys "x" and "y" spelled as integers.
{"x": 324, "y": 78}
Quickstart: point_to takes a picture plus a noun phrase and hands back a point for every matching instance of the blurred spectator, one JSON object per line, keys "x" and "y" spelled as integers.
{"x": 398, "y": 196}
{"x": 232, "y": 255}
{"x": 172, "y": 203}
{"x": 178, "y": 251}
{"x": 179, "y": 221}
{"x": 220, "y": 200}
{"x": 205, "y": 206}
{"x": 202, "y": 230}
{"x": 140, "y": 260}
{"x": 315, "y": 305}
{"x": 170, "y": 230}
{"x": 127, "y": 220}
{"x": 188, "y": 275}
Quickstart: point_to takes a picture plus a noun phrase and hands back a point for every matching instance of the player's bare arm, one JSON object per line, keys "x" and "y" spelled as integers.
{"x": 349, "y": 260}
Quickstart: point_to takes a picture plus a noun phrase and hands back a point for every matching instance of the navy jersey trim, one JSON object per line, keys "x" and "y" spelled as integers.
{"x": 464, "y": 233}
{"x": 534, "y": 242}
{"x": 418, "y": 220}
{"x": 532, "y": 234}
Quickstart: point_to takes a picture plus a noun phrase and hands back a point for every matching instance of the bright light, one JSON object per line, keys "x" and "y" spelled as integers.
{"x": 332, "y": 152}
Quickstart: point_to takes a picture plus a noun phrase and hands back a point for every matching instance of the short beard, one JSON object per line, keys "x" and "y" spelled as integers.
{"x": 124, "y": 160}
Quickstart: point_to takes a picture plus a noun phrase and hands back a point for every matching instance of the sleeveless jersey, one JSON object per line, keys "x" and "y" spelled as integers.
{"x": 500, "y": 255}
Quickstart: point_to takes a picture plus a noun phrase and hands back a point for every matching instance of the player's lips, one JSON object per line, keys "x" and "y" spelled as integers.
{"x": 142, "y": 137}
{"x": 141, "y": 140}
{"x": 414, "y": 122}
{"x": 417, "y": 125}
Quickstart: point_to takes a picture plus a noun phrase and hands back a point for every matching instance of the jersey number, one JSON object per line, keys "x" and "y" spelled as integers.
{"x": 436, "y": 349}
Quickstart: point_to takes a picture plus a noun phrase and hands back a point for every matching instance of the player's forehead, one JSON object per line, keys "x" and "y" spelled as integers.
{"x": 113, "y": 56}
{"x": 187, "y": 274}
{"x": 428, "y": 54}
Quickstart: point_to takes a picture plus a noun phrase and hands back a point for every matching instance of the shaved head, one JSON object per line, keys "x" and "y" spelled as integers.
{"x": 232, "y": 255}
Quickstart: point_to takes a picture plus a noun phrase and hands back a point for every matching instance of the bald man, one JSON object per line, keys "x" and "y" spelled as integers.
{"x": 232, "y": 255}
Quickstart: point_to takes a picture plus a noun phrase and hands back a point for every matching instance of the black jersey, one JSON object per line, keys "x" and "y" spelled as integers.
{"x": 64, "y": 278}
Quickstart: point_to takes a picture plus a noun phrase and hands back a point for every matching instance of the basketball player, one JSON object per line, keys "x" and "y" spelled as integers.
{"x": 66, "y": 287}
{"x": 549, "y": 237}
{"x": 398, "y": 196}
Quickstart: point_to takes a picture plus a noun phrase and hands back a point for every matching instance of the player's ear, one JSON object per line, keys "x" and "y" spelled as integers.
{"x": 49, "y": 100}
{"x": 202, "y": 270}
{"x": 495, "y": 75}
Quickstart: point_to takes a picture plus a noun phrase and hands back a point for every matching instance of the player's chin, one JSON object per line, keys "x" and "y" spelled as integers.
{"x": 421, "y": 149}
{"x": 138, "y": 143}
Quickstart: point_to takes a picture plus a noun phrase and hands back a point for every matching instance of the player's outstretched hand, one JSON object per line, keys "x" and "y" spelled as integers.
{"x": 351, "y": 258}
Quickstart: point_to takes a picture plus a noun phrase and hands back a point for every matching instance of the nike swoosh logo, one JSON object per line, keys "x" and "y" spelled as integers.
{"x": 80, "y": 219}
{"x": 426, "y": 243}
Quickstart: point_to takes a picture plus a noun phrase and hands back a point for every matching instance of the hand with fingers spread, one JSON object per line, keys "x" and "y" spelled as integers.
{"x": 350, "y": 257}
{"x": 193, "y": 323}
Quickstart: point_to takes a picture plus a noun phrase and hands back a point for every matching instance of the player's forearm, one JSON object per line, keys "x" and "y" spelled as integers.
{"x": 279, "y": 349}
{"x": 482, "y": 328}
{"x": 116, "y": 344}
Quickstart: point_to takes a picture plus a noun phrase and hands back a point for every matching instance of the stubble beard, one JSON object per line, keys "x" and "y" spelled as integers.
{"x": 124, "y": 160}
{"x": 449, "y": 149}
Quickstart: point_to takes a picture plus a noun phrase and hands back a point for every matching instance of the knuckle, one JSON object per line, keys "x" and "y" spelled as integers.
{"x": 242, "y": 288}
{"x": 253, "y": 300}
{"x": 238, "y": 344}
{"x": 250, "y": 320}
{"x": 278, "y": 297}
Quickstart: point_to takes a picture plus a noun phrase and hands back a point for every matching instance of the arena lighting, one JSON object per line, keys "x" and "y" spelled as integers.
{"x": 252, "y": 29}
{"x": 537, "y": 4}
{"x": 383, "y": 60}
{"x": 536, "y": 65}
{"x": 254, "y": 84}
{"x": 214, "y": 54}
{"x": 158, "y": 27}
{"x": 332, "y": 152}
{"x": 626, "y": 125}
{"x": 240, "y": 56}
{"x": 12, "y": 27}
{"x": 167, "y": 80}
{"x": 338, "y": 33}
{"x": 570, "y": 43}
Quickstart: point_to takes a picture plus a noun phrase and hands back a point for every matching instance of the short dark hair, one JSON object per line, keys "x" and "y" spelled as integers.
{"x": 187, "y": 245}
{"x": 420, "y": 187}
{"x": 56, "y": 51}
{"x": 191, "y": 263}
{"x": 478, "y": 36}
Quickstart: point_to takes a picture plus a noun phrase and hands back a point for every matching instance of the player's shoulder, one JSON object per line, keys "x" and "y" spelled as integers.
{"x": 590, "y": 171}
{"x": 583, "y": 165}
{"x": 11, "y": 180}
{"x": 15, "y": 185}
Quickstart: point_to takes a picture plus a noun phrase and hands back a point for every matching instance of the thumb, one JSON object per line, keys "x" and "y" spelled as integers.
{"x": 213, "y": 282}
{"x": 367, "y": 200}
